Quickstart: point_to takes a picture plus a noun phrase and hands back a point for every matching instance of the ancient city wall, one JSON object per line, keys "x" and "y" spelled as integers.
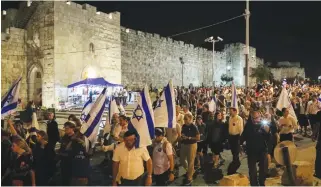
{"x": 84, "y": 40}
{"x": 149, "y": 58}
{"x": 13, "y": 61}
{"x": 40, "y": 50}
{"x": 290, "y": 72}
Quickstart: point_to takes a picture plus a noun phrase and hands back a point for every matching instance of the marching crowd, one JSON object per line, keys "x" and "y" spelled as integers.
{"x": 253, "y": 125}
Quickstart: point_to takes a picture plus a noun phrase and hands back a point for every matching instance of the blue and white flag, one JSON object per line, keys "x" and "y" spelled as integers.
{"x": 142, "y": 120}
{"x": 9, "y": 101}
{"x": 90, "y": 126}
{"x": 86, "y": 109}
{"x": 165, "y": 111}
{"x": 234, "y": 103}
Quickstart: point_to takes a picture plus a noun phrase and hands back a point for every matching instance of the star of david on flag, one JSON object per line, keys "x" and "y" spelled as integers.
{"x": 142, "y": 121}
{"x": 138, "y": 113}
{"x": 165, "y": 111}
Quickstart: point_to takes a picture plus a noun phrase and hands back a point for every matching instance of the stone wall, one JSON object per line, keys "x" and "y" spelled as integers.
{"x": 85, "y": 41}
{"x": 235, "y": 60}
{"x": 13, "y": 62}
{"x": 291, "y": 72}
{"x": 40, "y": 50}
{"x": 148, "y": 58}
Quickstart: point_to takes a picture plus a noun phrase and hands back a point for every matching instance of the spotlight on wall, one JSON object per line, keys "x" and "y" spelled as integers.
{"x": 98, "y": 13}
{"x": 29, "y": 3}
{"x": 4, "y": 12}
{"x": 110, "y": 16}
{"x": 127, "y": 30}
{"x": 68, "y": 2}
{"x": 228, "y": 67}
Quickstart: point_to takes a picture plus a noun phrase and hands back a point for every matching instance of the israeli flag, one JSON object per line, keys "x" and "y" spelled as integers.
{"x": 86, "y": 109}
{"x": 142, "y": 120}
{"x": 113, "y": 109}
{"x": 234, "y": 103}
{"x": 9, "y": 101}
{"x": 165, "y": 111}
{"x": 90, "y": 126}
{"x": 284, "y": 102}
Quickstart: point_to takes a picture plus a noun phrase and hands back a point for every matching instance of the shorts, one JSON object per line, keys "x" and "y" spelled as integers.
{"x": 202, "y": 147}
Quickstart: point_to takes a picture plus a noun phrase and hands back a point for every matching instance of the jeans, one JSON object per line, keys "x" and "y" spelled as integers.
{"x": 161, "y": 180}
{"x": 252, "y": 159}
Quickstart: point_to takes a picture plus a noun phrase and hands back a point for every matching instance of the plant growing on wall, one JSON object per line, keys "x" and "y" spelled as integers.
{"x": 261, "y": 73}
{"x": 225, "y": 78}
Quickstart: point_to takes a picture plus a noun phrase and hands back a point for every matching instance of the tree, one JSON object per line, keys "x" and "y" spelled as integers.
{"x": 261, "y": 73}
{"x": 226, "y": 78}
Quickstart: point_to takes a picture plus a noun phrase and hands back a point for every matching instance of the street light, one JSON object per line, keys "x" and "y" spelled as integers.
{"x": 182, "y": 62}
{"x": 213, "y": 41}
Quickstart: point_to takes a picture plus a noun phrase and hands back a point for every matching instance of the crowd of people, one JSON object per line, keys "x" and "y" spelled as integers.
{"x": 253, "y": 127}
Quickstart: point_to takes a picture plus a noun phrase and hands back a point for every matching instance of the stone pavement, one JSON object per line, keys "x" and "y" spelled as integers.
{"x": 306, "y": 152}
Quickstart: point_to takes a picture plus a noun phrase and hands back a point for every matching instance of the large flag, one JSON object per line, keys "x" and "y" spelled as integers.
{"x": 86, "y": 109}
{"x": 142, "y": 120}
{"x": 90, "y": 126}
{"x": 9, "y": 101}
{"x": 284, "y": 102}
{"x": 212, "y": 105}
{"x": 113, "y": 109}
{"x": 234, "y": 103}
{"x": 165, "y": 111}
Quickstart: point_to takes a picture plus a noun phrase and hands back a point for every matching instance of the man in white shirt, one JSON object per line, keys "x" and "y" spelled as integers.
{"x": 128, "y": 163}
{"x": 314, "y": 106}
{"x": 287, "y": 125}
{"x": 163, "y": 159}
{"x": 235, "y": 129}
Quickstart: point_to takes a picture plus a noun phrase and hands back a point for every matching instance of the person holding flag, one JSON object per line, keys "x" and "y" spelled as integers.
{"x": 235, "y": 129}
{"x": 288, "y": 122}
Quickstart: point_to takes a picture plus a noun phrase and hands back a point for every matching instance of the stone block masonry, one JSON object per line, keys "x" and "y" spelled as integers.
{"x": 13, "y": 61}
{"x": 65, "y": 42}
{"x": 151, "y": 59}
{"x": 85, "y": 40}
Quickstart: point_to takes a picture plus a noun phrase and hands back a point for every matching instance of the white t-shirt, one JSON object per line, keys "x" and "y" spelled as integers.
{"x": 160, "y": 159}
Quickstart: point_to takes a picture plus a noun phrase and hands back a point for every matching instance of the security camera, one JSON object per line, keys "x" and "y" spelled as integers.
{"x": 219, "y": 38}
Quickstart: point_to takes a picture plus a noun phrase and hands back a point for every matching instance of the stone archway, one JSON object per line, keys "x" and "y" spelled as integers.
{"x": 35, "y": 76}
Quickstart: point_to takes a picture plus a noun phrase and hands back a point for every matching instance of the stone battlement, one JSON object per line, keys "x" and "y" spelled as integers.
{"x": 167, "y": 41}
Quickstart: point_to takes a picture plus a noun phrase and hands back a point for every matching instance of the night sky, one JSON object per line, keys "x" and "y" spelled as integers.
{"x": 280, "y": 31}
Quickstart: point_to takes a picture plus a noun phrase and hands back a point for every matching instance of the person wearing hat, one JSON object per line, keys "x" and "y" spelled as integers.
{"x": 235, "y": 129}
{"x": 64, "y": 152}
{"x": 163, "y": 159}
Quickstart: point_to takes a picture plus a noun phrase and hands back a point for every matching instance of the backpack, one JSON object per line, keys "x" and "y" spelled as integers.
{"x": 173, "y": 150}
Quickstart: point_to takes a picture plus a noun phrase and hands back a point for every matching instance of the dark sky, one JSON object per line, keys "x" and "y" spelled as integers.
{"x": 280, "y": 31}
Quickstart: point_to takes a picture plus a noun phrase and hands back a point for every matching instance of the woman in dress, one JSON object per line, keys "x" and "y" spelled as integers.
{"x": 217, "y": 134}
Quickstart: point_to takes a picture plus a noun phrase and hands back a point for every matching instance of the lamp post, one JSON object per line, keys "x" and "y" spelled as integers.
{"x": 247, "y": 41}
{"x": 213, "y": 41}
{"x": 182, "y": 62}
